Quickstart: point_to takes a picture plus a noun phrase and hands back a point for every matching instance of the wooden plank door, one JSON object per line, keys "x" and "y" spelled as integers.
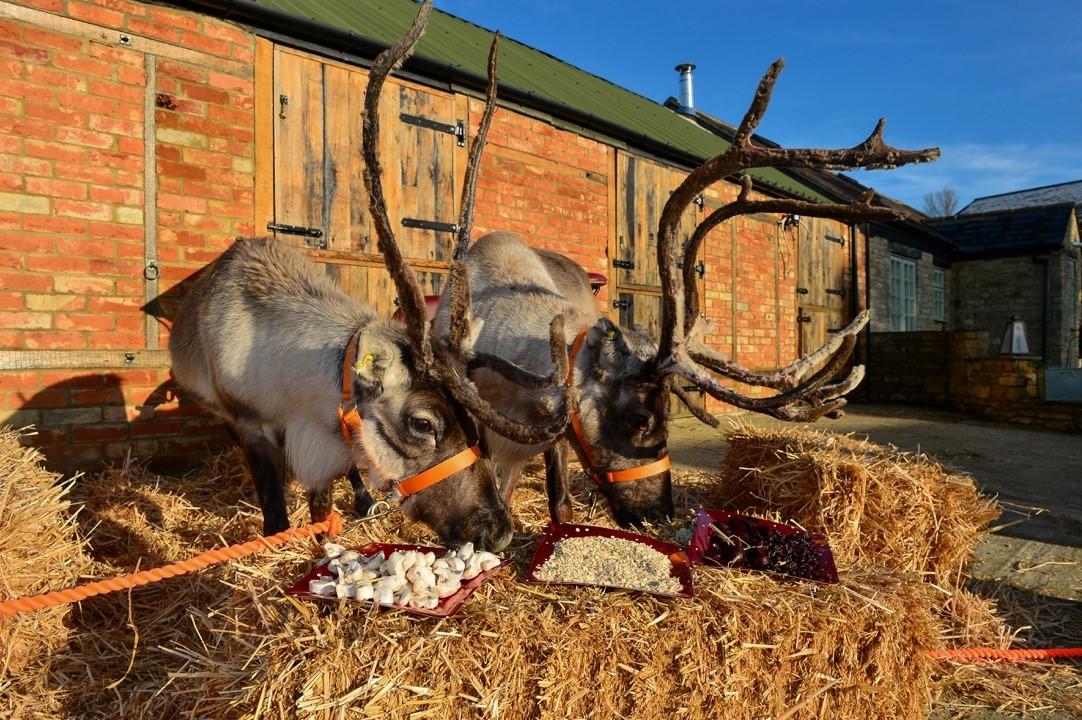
{"x": 319, "y": 198}
{"x": 823, "y": 284}
{"x": 643, "y": 187}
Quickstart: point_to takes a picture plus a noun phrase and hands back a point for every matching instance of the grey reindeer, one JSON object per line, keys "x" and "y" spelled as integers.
{"x": 273, "y": 347}
{"x": 623, "y": 378}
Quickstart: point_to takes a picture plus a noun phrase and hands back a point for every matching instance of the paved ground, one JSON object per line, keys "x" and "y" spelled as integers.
{"x": 1037, "y": 476}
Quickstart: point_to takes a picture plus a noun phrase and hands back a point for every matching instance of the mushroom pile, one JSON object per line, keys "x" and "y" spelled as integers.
{"x": 405, "y": 578}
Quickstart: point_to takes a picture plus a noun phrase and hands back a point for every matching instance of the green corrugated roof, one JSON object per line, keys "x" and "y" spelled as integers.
{"x": 453, "y": 41}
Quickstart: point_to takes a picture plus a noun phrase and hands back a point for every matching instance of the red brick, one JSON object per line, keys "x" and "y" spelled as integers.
{"x": 131, "y": 146}
{"x": 243, "y": 54}
{"x": 25, "y": 320}
{"x": 210, "y": 45}
{"x": 117, "y": 91}
{"x": 11, "y": 181}
{"x": 11, "y": 301}
{"x": 50, "y": 224}
{"x": 84, "y": 172}
{"x": 80, "y": 63}
{"x": 63, "y": 321}
{"x": 11, "y": 260}
{"x": 55, "y": 78}
{"x": 131, "y": 76}
{"x": 90, "y": 103}
{"x": 182, "y": 203}
{"x": 112, "y": 54}
{"x": 95, "y": 15}
{"x": 80, "y": 247}
{"x": 87, "y": 138}
{"x": 97, "y": 396}
{"x": 155, "y": 30}
{"x": 11, "y": 340}
{"x": 221, "y": 31}
{"x": 78, "y": 284}
{"x": 56, "y": 263}
{"x": 114, "y": 232}
{"x": 54, "y": 6}
{"x": 175, "y": 19}
{"x": 232, "y": 83}
{"x": 181, "y": 170}
{"x": 22, "y": 52}
{"x": 115, "y": 126}
{"x": 89, "y": 210}
{"x": 53, "y": 340}
{"x": 55, "y": 151}
{"x": 47, "y": 398}
{"x": 119, "y": 196}
{"x": 124, "y": 6}
{"x": 46, "y": 38}
{"x": 118, "y": 340}
{"x": 116, "y": 160}
{"x": 114, "y": 304}
{"x": 191, "y": 73}
{"x": 26, "y": 128}
{"x": 99, "y": 433}
{"x": 25, "y": 281}
{"x": 210, "y": 159}
{"x": 204, "y": 93}
{"x": 10, "y": 106}
{"x": 56, "y": 188}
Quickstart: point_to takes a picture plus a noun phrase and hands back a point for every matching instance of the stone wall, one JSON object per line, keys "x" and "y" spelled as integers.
{"x": 910, "y": 367}
{"x": 1009, "y": 390}
{"x": 879, "y": 253}
{"x": 991, "y": 291}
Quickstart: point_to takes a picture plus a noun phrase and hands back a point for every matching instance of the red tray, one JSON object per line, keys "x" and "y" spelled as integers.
{"x": 555, "y": 532}
{"x": 448, "y": 606}
{"x": 741, "y": 526}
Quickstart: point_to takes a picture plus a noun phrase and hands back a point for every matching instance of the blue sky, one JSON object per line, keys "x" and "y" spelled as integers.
{"x": 997, "y": 85}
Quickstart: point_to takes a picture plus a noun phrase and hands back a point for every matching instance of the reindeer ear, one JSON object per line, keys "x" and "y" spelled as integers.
{"x": 604, "y": 343}
{"x": 379, "y": 365}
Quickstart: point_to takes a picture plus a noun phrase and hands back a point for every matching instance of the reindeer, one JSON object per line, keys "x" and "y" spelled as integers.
{"x": 277, "y": 350}
{"x": 619, "y": 430}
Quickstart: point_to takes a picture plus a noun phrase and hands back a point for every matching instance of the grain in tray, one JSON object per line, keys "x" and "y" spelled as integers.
{"x": 609, "y": 561}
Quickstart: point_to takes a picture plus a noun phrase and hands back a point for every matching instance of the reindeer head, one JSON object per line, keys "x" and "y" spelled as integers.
{"x": 621, "y": 422}
{"x": 418, "y": 404}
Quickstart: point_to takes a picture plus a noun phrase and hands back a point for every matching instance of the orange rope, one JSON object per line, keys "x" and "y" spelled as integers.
{"x": 15, "y": 606}
{"x": 997, "y": 654}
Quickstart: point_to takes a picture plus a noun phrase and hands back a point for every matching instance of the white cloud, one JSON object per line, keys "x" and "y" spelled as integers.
{"x": 976, "y": 169}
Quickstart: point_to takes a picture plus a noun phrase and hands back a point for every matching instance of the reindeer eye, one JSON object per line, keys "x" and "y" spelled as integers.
{"x": 421, "y": 425}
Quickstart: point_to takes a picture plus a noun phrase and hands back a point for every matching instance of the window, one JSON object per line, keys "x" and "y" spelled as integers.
{"x": 903, "y": 294}
{"x": 939, "y": 294}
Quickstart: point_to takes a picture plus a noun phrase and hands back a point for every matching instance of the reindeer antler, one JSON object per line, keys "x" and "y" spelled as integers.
{"x": 446, "y": 363}
{"x": 683, "y": 354}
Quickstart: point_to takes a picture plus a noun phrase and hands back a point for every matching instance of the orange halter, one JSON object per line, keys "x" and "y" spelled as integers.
{"x": 635, "y": 473}
{"x": 350, "y": 420}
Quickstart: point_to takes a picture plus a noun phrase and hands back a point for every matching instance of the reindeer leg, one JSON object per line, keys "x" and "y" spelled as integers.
{"x": 320, "y": 502}
{"x": 266, "y": 462}
{"x": 560, "y": 509}
{"x": 362, "y": 499}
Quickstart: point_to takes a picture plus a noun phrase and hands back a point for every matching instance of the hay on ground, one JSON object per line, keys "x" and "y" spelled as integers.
{"x": 876, "y": 505}
{"x": 39, "y": 552}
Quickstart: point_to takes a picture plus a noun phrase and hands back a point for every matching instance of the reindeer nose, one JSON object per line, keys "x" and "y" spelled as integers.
{"x": 640, "y": 419}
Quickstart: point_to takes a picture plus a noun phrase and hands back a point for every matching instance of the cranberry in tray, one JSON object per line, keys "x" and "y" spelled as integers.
{"x": 750, "y": 543}
{"x": 430, "y": 581}
{"x": 570, "y": 554}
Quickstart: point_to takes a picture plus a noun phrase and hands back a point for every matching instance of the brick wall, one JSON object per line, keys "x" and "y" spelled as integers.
{"x": 73, "y": 208}
{"x": 910, "y": 367}
{"x": 547, "y": 184}
{"x": 879, "y": 261}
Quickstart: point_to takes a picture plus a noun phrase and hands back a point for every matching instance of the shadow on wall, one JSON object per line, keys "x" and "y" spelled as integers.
{"x": 88, "y": 418}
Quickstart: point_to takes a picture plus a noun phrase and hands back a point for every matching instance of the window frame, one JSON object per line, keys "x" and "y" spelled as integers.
{"x": 939, "y": 294}
{"x": 902, "y": 284}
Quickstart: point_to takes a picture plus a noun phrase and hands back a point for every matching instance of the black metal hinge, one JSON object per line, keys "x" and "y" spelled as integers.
{"x": 834, "y": 330}
{"x": 621, "y": 304}
{"x": 801, "y": 291}
{"x": 458, "y": 129}
{"x": 836, "y": 239}
{"x": 429, "y": 225}
{"x": 803, "y": 318}
{"x": 316, "y": 234}
{"x": 700, "y": 267}
{"x": 840, "y": 292}
{"x": 624, "y": 264}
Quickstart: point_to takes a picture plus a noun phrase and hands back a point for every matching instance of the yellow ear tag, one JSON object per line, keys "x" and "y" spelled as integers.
{"x": 364, "y": 361}
{"x": 612, "y": 334}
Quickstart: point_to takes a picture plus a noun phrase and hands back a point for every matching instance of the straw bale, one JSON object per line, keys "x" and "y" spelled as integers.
{"x": 40, "y": 551}
{"x": 877, "y": 505}
{"x": 228, "y": 643}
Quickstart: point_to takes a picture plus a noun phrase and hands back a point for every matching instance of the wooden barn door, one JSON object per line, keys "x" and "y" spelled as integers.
{"x": 643, "y": 187}
{"x": 320, "y": 202}
{"x": 823, "y": 285}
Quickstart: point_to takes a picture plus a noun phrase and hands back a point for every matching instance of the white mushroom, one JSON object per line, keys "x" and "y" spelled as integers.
{"x": 457, "y": 564}
{"x": 473, "y": 568}
{"x": 427, "y": 601}
{"x": 321, "y": 587}
{"x": 349, "y": 556}
{"x": 465, "y": 552}
{"x": 403, "y": 596}
{"x": 487, "y": 561}
{"x": 335, "y": 566}
{"x": 343, "y": 590}
{"x": 384, "y": 595}
{"x": 333, "y": 550}
{"x": 394, "y": 565}
{"x": 363, "y": 592}
{"x": 447, "y": 588}
{"x": 373, "y": 562}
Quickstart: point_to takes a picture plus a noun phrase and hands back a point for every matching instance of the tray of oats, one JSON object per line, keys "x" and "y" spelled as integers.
{"x": 589, "y": 555}
{"x": 431, "y": 581}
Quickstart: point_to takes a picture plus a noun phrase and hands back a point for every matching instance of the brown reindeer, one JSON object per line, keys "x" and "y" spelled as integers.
{"x": 623, "y": 378}
{"x": 311, "y": 381}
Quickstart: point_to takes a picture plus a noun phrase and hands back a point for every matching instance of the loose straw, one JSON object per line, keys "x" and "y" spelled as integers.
{"x": 16, "y": 606}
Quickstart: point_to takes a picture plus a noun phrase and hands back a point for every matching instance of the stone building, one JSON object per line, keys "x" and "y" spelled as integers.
{"x": 137, "y": 140}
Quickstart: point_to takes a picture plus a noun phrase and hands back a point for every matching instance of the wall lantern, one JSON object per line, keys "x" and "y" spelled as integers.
{"x": 1014, "y": 338}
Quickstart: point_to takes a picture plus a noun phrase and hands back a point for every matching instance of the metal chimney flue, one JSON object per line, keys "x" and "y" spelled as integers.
{"x": 687, "y": 90}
